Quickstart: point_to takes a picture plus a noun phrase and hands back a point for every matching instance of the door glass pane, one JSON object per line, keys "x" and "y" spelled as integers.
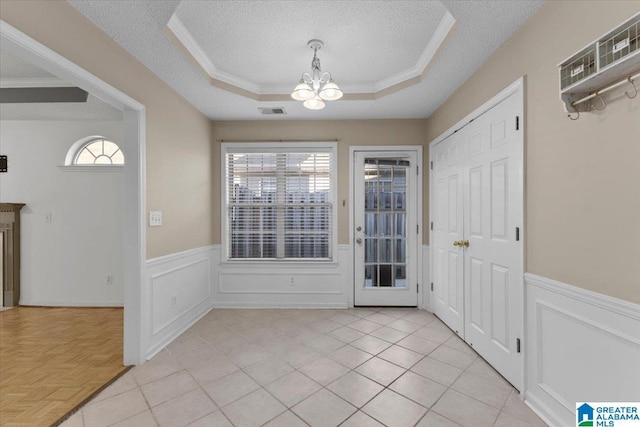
{"x": 385, "y": 227}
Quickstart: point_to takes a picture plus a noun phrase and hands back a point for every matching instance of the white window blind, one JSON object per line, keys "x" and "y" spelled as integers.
{"x": 279, "y": 204}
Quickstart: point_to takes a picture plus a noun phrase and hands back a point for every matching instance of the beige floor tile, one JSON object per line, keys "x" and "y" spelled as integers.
{"x": 300, "y": 355}
{"x": 434, "y": 420}
{"x": 253, "y": 410}
{"x": 453, "y": 357}
{"x": 197, "y": 356}
{"x": 380, "y": 318}
{"x": 371, "y": 345}
{"x": 437, "y": 371}
{"x": 114, "y": 409}
{"x": 216, "y": 419}
{"x": 76, "y": 420}
{"x": 324, "y": 370}
{"x": 360, "y": 419}
{"x": 394, "y": 410}
{"x": 457, "y": 343}
{"x": 325, "y": 326}
{"x": 355, "y": 388}
{"x": 418, "y": 388}
{"x": 122, "y": 384}
{"x": 143, "y": 419}
{"x": 404, "y": 326}
{"x": 350, "y": 357}
{"x": 155, "y": 369}
{"x": 346, "y": 335}
{"x": 364, "y": 326}
{"x": 185, "y": 343}
{"x": 465, "y": 410}
{"x": 323, "y": 409}
{"x": 389, "y": 334}
{"x": 268, "y": 370}
{"x": 401, "y": 356}
{"x": 344, "y": 318}
{"x": 418, "y": 344}
{"x": 517, "y": 408}
{"x": 361, "y": 312}
{"x": 506, "y": 420}
{"x": 213, "y": 369}
{"x": 420, "y": 317}
{"x": 292, "y": 388}
{"x": 325, "y": 344}
{"x": 287, "y": 419}
{"x": 483, "y": 389}
{"x": 167, "y": 388}
{"x": 248, "y": 354}
{"x": 185, "y": 409}
{"x": 380, "y": 371}
{"x": 435, "y": 334}
{"x": 228, "y": 345}
{"x": 232, "y": 387}
{"x": 482, "y": 368}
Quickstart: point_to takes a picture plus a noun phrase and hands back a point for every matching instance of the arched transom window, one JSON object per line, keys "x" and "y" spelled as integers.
{"x": 98, "y": 152}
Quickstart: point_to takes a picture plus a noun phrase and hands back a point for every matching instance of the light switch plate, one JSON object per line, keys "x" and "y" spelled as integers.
{"x": 155, "y": 218}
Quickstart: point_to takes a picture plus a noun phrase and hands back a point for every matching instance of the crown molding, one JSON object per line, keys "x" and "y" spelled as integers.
{"x": 176, "y": 31}
{"x": 34, "y": 82}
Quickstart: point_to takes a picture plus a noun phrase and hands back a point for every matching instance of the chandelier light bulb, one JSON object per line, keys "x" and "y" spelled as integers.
{"x": 330, "y": 92}
{"x": 303, "y": 91}
{"x": 315, "y": 103}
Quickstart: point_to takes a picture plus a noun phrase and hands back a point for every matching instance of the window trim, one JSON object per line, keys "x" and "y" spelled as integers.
{"x": 282, "y": 147}
{"x": 78, "y": 146}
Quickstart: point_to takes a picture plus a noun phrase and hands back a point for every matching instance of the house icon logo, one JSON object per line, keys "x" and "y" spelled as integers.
{"x": 585, "y": 415}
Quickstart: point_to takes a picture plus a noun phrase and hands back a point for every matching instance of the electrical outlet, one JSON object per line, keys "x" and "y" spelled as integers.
{"x": 109, "y": 281}
{"x": 174, "y": 301}
{"x": 155, "y": 218}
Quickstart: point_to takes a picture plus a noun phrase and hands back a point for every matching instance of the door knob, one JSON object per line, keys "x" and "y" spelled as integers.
{"x": 464, "y": 243}
{"x": 359, "y": 241}
{"x": 456, "y": 243}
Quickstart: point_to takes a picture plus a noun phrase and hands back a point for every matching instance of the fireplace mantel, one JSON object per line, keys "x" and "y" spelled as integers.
{"x": 10, "y": 241}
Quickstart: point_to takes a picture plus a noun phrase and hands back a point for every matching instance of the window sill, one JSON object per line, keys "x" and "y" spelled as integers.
{"x": 100, "y": 168}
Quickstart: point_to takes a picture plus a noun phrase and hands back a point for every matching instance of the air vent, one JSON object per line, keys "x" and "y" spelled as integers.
{"x": 269, "y": 111}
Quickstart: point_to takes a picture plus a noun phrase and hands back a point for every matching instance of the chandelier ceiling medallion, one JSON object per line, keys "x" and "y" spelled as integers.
{"x": 317, "y": 87}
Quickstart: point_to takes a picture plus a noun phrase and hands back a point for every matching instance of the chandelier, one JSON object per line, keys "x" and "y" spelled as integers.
{"x": 317, "y": 87}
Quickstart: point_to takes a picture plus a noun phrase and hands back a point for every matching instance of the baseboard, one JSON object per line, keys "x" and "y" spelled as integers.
{"x": 580, "y": 346}
{"x": 62, "y": 303}
{"x": 245, "y": 304}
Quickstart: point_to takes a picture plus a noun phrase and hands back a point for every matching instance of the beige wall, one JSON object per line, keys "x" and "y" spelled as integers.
{"x": 349, "y": 132}
{"x": 582, "y": 180}
{"x": 179, "y": 169}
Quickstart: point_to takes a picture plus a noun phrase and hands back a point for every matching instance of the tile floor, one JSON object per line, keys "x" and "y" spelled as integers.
{"x": 358, "y": 367}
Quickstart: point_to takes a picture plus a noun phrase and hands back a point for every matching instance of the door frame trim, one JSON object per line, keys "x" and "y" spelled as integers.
{"x": 419, "y": 181}
{"x": 134, "y": 144}
{"x": 517, "y": 86}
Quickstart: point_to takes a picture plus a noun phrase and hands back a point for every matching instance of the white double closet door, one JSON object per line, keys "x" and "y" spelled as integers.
{"x": 477, "y": 248}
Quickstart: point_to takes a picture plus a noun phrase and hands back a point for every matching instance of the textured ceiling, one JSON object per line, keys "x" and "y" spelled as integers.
{"x": 16, "y": 72}
{"x": 251, "y": 30}
{"x": 268, "y": 45}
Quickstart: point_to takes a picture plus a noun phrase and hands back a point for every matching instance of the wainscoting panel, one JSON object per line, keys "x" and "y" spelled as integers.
{"x": 295, "y": 285}
{"x": 580, "y": 346}
{"x": 179, "y": 286}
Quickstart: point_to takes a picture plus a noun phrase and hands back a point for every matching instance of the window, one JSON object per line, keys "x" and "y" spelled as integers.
{"x": 95, "y": 151}
{"x": 279, "y": 202}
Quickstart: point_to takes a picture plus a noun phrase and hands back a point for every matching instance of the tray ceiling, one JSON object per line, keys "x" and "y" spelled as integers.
{"x": 393, "y": 59}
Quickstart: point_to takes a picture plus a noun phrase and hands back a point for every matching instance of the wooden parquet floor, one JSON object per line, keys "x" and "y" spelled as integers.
{"x": 52, "y": 359}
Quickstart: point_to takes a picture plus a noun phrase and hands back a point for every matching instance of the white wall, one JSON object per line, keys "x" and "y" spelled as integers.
{"x": 66, "y": 261}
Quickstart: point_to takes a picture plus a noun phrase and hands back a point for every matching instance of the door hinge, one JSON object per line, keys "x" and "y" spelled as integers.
{"x": 417, "y": 288}
{"x": 517, "y": 345}
{"x": 417, "y": 170}
{"x": 431, "y": 164}
{"x": 517, "y": 123}
{"x": 417, "y": 228}
{"x": 517, "y": 234}
{"x": 431, "y": 225}
{"x": 432, "y": 286}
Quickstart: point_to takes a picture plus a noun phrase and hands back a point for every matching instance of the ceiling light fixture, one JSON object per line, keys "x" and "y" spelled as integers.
{"x": 317, "y": 87}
